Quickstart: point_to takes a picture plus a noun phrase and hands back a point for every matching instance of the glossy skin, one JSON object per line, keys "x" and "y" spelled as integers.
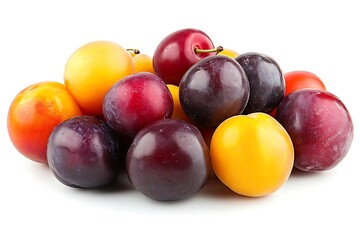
{"x": 93, "y": 69}
{"x": 229, "y": 52}
{"x": 267, "y": 85}
{"x": 175, "y": 54}
{"x": 214, "y": 89}
{"x": 85, "y": 152}
{"x": 168, "y": 160}
{"x": 34, "y": 113}
{"x": 320, "y": 127}
{"x": 135, "y": 102}
{"x": 252, "y": 154}
{"x": 143, "y": 63}
{"x": 297, "y": 80}
{"x": 178, "y": 112}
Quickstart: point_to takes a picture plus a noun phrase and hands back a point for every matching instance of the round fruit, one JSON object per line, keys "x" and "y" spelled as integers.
{"x": 228, "y": 52}
{"x": 267, "y": 85}
{"x": 34, "y": 113}
{"x": 213, "y": 90}
{"x": 168, "y": 160}
{"x": 85, "y": 152}
{"x": 320, "y": 127}
{"x": 177, "y": 52}
{"x": 143, "y": 63}
{"x": 135, "y": 102}
{"x": 297, "y": 80}
{"x": 252, "y": 154}
{"x": 178, "y": 112}
{"x": 92, "y": 70}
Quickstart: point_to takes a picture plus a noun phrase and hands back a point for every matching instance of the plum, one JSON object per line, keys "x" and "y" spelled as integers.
{"x": 135, "y": 101}
{"x": 320, "y": 128}
{"x": 168, "y": 160}
{"x": 85, "y": 152}
{"x": 214, "y": 89}
{"x": 267, "y": 84}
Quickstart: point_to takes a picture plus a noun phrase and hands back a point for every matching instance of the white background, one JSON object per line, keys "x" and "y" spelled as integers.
{"x": 37, "y": 37}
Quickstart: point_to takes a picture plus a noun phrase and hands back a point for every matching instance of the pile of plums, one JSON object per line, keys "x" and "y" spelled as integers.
{"x": 170, "y": 159}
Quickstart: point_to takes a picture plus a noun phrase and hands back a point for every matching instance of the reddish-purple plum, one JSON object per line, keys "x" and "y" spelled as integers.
{"x": 213, "y": 90}
{"x": 267, "y": 84}
{"x": 178, "y": 51}
{"x": 136, "y": 101}
{"x": 85, "y": 152}
{"x": 168, "y": 160}
{"x": 320, "y": 128}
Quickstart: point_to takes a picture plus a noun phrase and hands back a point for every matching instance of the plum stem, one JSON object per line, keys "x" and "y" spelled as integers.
{"x": 215, "y": 50}
{"x": 134, "y": 50}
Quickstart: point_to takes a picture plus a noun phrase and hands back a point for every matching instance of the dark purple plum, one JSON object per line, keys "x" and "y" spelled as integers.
{"x": 267, "y": 84}
{"x": 168, "y": 160}
{"x": 85, "y": 152}
{"x": 320, "y": 128}
{"x": 135, "y": 101}
{"x": 213, "y": 89}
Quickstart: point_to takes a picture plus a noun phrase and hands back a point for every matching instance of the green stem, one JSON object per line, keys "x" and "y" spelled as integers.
{"x": 215, "y": 50}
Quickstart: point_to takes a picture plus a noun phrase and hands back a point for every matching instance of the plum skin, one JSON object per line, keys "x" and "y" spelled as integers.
{"x": 320, "y": 127}
{"x": 135, "y": 101}
{"x": 214, "y": 89}
{"x": 267, "y": 83}
{"x": 175, "y": 53}
{"x": 168, "y": 160}
{"x": 84, "y": 152}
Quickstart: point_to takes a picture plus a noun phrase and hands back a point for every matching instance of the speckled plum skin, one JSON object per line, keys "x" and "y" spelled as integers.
{"x": 320, "y": 128}
{"x": 84, "y": 152}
